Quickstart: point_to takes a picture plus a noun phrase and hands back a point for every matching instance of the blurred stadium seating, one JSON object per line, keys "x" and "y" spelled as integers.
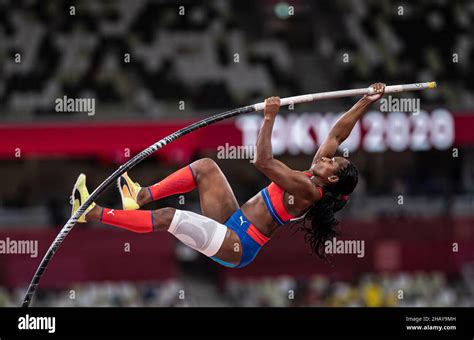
{"x": 193, "y": 55}
{"x": 420, "y": 289}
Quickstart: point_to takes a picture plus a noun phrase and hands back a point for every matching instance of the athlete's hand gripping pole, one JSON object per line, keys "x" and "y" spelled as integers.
{"x": 349, "y": 93}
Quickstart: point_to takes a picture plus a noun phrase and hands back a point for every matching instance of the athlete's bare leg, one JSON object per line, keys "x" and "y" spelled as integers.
{"x": 217, "y": 198}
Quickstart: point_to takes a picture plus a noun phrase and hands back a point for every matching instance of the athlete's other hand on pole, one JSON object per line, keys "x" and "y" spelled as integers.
{"x": 272, "y": 106}
{"x": 379, "y": 89}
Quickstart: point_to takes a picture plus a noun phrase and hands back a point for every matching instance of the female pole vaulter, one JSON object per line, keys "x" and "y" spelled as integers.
{"x": 230, "y": 235}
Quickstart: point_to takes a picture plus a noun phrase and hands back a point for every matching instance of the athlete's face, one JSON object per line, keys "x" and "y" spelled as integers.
{"x": 326, "y": 168}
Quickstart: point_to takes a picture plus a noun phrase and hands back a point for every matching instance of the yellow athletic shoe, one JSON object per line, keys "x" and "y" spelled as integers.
{"x": 79, "y": 195}
{"x": 128, "y": 191}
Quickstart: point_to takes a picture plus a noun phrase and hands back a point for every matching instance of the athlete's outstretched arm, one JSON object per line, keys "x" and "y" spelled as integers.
{"x": 295, "y": 182}
{"x": 344, "y": 125}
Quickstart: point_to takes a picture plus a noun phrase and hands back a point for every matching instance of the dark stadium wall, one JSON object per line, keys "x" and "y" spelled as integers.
{"x": 390, "y": 245}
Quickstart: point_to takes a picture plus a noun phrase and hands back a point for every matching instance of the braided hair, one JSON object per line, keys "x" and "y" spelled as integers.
{"x": 319, "y": 223}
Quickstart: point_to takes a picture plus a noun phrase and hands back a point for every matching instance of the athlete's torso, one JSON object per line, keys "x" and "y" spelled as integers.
{"x": 257, "y": 211}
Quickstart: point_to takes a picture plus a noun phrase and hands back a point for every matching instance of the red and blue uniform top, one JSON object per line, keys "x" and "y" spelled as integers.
{"x": 273, "y": 195}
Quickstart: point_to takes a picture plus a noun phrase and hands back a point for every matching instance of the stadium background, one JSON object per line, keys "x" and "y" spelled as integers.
{"x": 152, "y": 71}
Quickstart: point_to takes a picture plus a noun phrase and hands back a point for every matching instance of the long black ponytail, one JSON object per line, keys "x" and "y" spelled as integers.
{"x": 319, "y": 223}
